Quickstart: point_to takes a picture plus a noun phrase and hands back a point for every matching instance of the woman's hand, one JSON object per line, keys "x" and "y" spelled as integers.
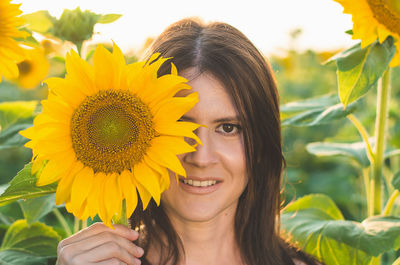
{"x": 100, "y": 245}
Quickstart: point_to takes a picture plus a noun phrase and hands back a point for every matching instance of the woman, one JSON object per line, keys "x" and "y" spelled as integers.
{"x": 227, "y": 209}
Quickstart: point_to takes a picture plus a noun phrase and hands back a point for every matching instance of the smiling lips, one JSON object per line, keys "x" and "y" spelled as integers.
{"x": 199, "y": 186}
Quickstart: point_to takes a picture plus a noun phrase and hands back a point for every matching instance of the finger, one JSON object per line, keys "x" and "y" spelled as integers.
{"x": 104, "y": 237}
{"x": 108, "y": 251}
{"x": 97, "y": 228}
{"x": 112, "y": 261}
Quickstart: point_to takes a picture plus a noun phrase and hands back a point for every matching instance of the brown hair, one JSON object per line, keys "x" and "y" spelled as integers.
{"x": 227, "y": 54}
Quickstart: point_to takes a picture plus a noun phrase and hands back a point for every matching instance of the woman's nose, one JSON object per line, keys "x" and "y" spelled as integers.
{"x": 205, "y": 154}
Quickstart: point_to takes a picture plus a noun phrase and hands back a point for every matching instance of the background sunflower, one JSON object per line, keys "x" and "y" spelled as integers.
{"x": 375, "y": 19}
{"x": 10, "y": 51}
{"x": 33, "y": 69}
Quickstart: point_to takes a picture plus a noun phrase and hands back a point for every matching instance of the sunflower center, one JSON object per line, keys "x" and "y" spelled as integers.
{"x": 387, "y": 12}
{"x": 111, "y": 131}
{"x": 24, "y": 67}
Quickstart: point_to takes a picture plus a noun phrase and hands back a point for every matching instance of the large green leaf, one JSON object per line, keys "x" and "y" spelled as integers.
{"x": 317, "y": 103}
{"x": 313, "y": 222}
{"x": 358, "y": 70}
{"x": 36, "y": 208}
{"x": 37, "y": 239}
{"x": 16, "y": 112}
{"x": 357, "y": 151}
{"x": 320, "y": 114}
{"x": 10, "y": 137}
{"x": 23, "y": 186}
{"x": 18, "y": 257}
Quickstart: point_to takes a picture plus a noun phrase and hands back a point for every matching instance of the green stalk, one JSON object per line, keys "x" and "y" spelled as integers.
{"x": 79, "y": 47}
{"x": 390, "y": 203}
{"x": 382, "y": 110}
{"x": 76, "y": 225}
{"x": 123, "y": 220}
{"x": 62, "y": 221}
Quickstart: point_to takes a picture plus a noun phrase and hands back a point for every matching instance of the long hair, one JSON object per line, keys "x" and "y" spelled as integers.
{"x": 227, "y": 54}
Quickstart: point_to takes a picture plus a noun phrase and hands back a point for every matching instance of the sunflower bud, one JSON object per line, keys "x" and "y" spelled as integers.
{"x": 75, "y": 26}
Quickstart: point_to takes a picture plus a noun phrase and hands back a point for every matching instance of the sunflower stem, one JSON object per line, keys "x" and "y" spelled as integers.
{"x": 382, "y": 110}
{"x": 390, "y": 203}
{"x": 122, "y": 219}
{"x": 79, "y": 47}
{"x": 62, "y": 221}
{"x": 76, "y": 225}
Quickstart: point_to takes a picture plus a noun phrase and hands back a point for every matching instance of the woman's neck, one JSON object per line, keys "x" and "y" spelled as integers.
{"x": 208, "y": 242}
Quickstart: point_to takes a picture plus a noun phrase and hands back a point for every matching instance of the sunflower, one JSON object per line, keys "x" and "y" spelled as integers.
{"x": 33, "y": 69}
{"x": 375, "y": 19}
{"x": 111, "y": 130}
{"x": 10, "y": 51}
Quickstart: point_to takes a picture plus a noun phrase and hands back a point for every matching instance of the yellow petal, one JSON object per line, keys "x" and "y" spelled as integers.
{"x": 63, "y": 191}
{"x": 112, "y": 196}
{"x": 149, "y": 180}
{"x": 181, "y": 128}
{"x": 173, "y": 109}
{"x": 103, "y": 68}
{"x": 167, "y": 159}
{"x": 54, "y": 169}
{"x": 145, "y": 196}
{"x": 129, "y": 191}
{"x": 80, "y": 72}
{"x": 60, "y": 87}
{"x": 81, "y": 186}
{"x": 94, "y": 197}
{"x": 162, "y": 173}
{"x": 176, "y": 145}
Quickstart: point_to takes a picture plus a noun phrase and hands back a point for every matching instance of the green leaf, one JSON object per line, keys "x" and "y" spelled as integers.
{"x": 105, "y": 19}
{"x": 10, "y": 213}
{"x": 23, "y": 186}
{"x": 316, "y": 201}
{"x": 38, "y": 239}
{"x": 358, "y": 70}
{"x": 10, "y": 137}
{"x": 36, "y": 208}
{"x": 18, "y": 257}
{"x": 39, "y": 21}
{"x": 318, "y": 116}
{"x": 356, "y": 151}
{"x": 16, "y": 112}
{"x": 312, "y": 225}
{"x": 317, "y": 103}
{"x": 396, "y": 180}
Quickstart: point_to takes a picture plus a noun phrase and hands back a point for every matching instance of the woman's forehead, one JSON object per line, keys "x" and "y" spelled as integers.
{"x": 214, "y": 101}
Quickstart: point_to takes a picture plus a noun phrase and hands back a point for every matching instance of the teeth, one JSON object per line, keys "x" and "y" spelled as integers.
{"x": 197, "y": 183}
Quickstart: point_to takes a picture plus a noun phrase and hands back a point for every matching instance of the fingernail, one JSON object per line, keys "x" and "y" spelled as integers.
{"x": 138, "y": 261}
{"x": 140, "y": 251}
{"x": 134, "y": 232}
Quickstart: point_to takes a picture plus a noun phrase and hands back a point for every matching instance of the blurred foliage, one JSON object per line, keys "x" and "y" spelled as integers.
{"x": 302, "y": 75}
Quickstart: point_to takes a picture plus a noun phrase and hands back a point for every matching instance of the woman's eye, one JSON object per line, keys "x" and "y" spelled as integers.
{"x": 231, "y": 129}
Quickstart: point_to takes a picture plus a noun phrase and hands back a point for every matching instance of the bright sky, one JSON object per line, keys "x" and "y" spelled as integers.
{"x": 265, "y": 22}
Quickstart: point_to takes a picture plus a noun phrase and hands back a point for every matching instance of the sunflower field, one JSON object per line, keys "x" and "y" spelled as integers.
{"x": 340, "y": 115}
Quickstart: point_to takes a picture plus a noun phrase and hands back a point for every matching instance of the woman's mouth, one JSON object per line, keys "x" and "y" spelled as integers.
{"x": 198, "y": 183}
{"x": 199, "y": 187}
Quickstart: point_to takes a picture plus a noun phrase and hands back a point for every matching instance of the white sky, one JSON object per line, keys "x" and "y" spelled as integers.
{"x": 265, "y": 22}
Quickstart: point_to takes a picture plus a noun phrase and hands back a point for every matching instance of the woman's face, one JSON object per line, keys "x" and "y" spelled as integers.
{"x": 216, "y": 171}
